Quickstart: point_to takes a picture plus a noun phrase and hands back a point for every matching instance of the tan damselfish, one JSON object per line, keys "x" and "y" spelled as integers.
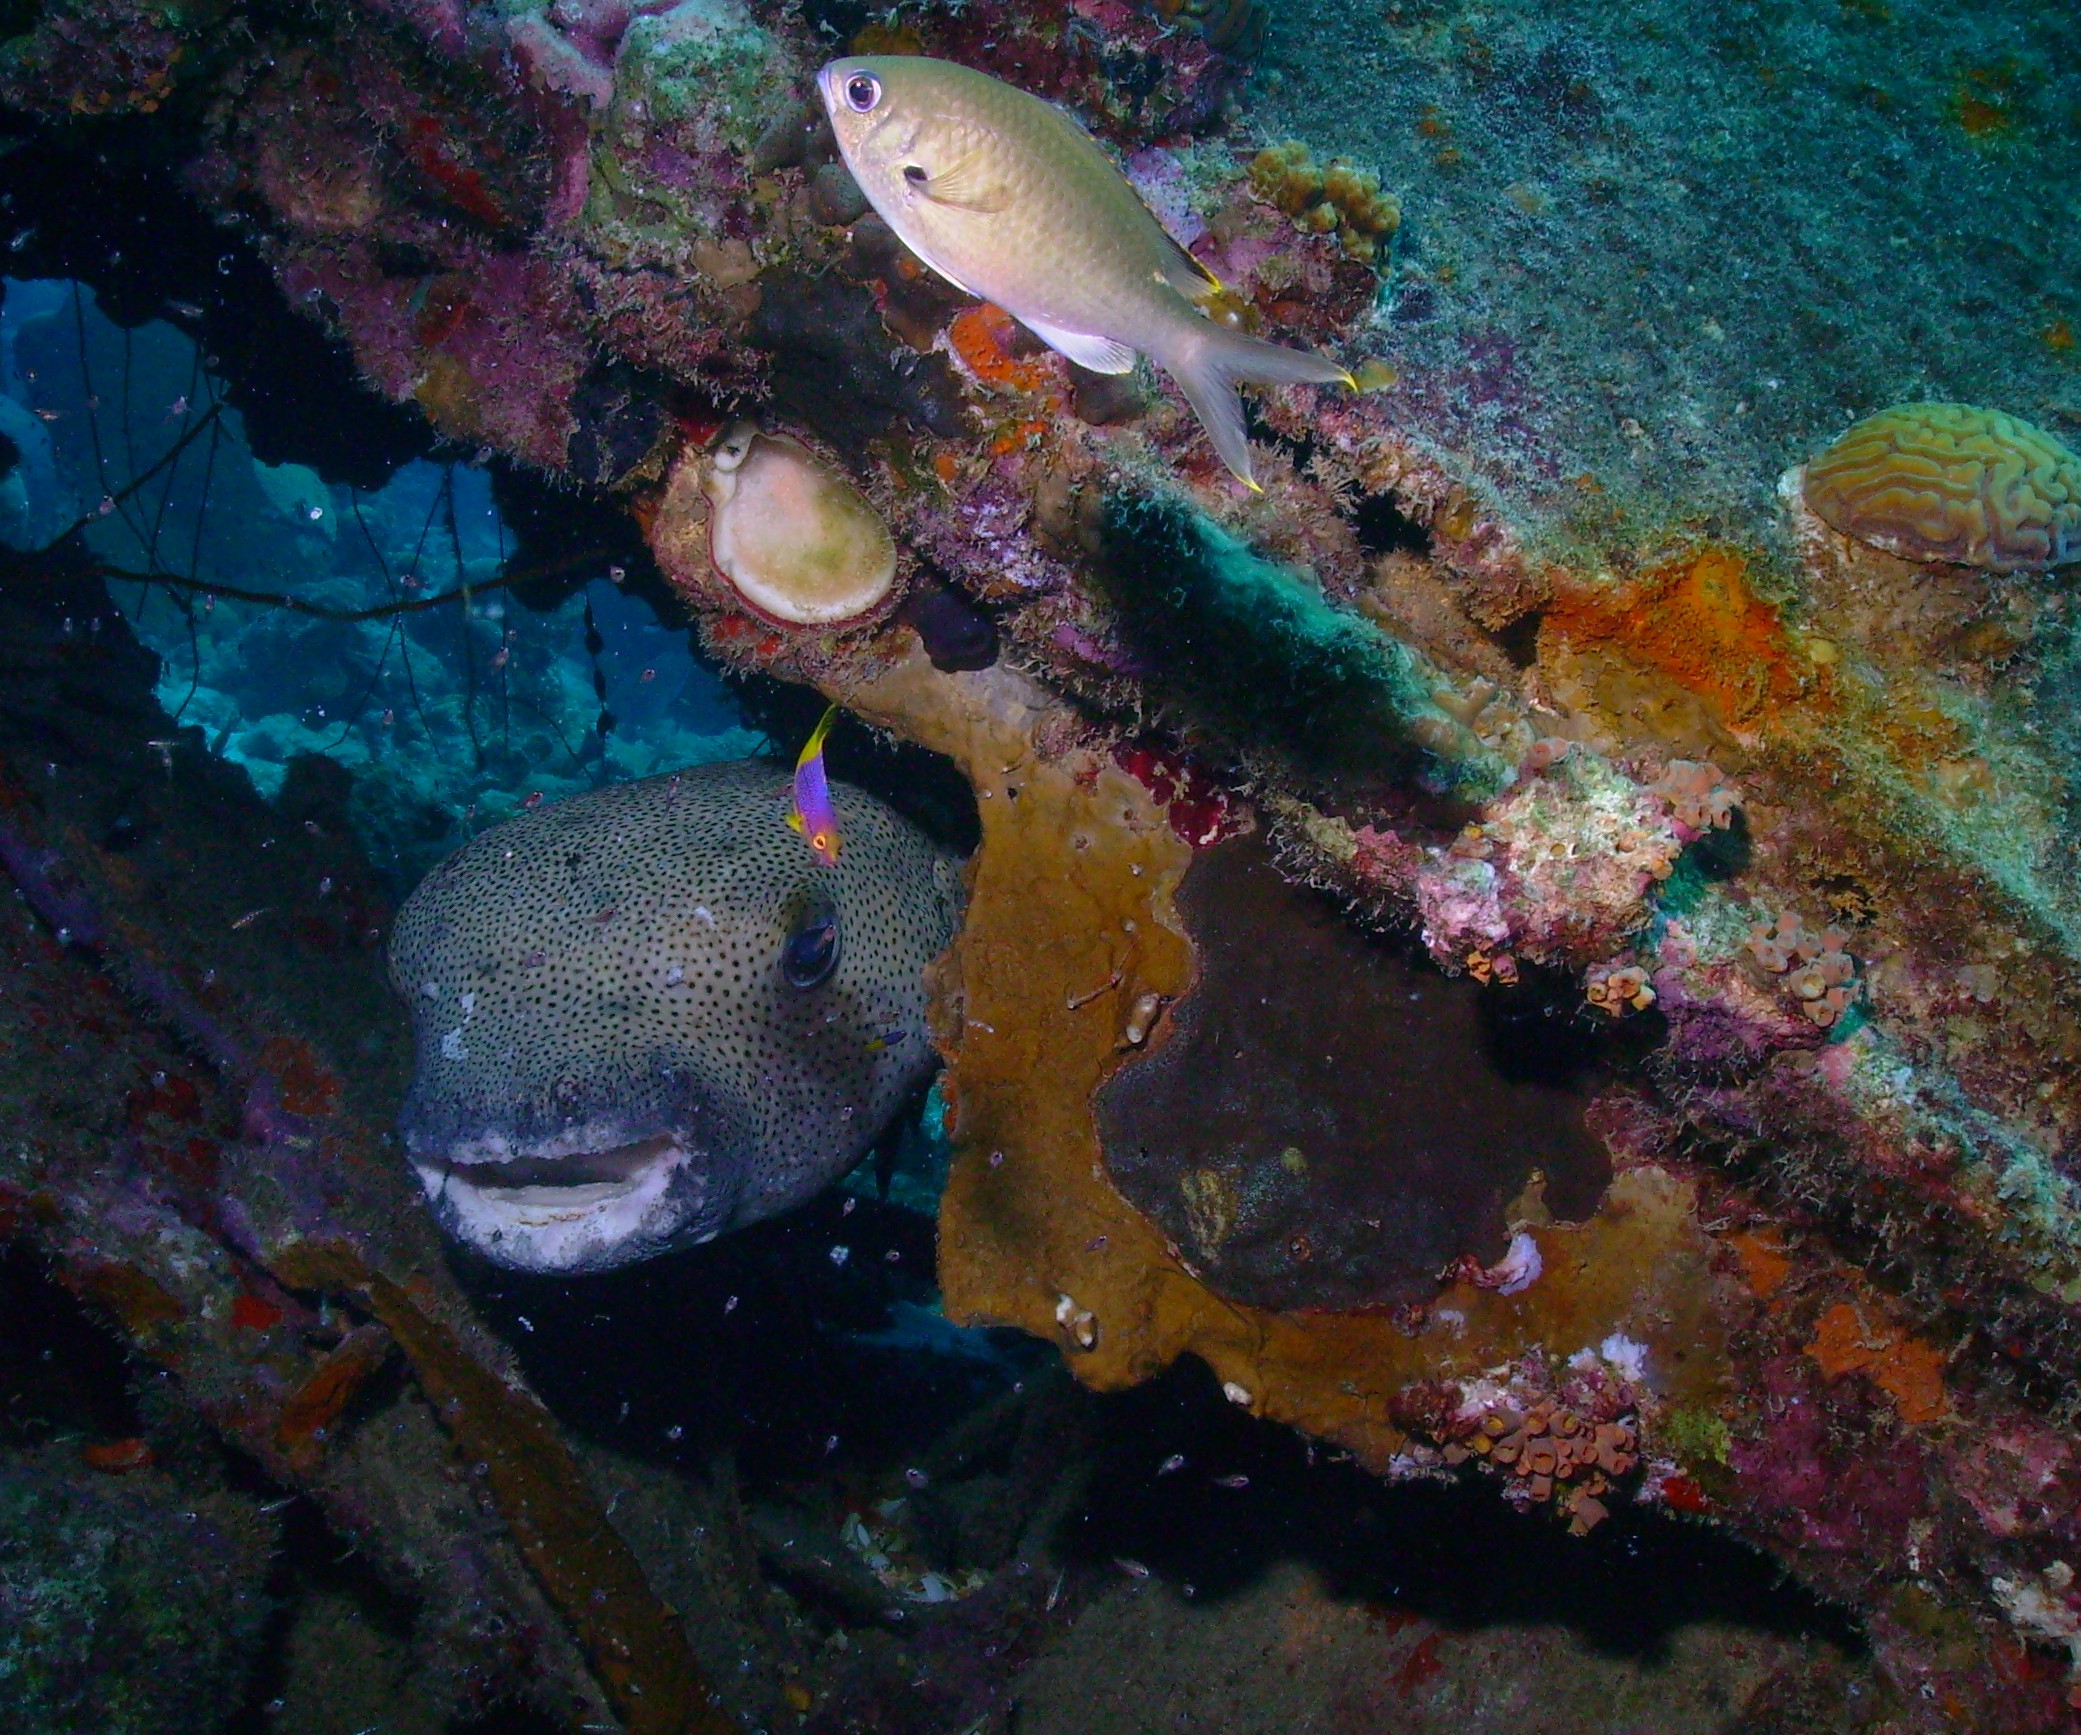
{"x": 1008, "y": 198}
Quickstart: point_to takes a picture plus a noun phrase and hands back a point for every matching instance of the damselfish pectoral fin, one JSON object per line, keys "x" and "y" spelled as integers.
{"x": 1102, "y": 355}
{"x": 970, "y": 184}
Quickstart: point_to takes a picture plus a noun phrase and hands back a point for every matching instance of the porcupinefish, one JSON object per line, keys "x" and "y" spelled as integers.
{"x": 1008, "y": 198}
{"x": 645, "y": 1014}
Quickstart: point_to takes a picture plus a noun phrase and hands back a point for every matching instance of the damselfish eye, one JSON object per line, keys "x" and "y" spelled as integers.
{"x": 862, "y": 91}
{"x": 811, "y": 952}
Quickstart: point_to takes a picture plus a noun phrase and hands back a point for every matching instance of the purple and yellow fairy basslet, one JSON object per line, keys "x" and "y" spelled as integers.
{"x": 812, "y": 814}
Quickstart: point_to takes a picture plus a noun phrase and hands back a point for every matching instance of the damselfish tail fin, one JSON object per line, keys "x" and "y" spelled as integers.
{"x": 1209, "y": 361}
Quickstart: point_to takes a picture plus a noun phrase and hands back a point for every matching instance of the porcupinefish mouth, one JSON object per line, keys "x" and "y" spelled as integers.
{"x": 567, "y": 1209}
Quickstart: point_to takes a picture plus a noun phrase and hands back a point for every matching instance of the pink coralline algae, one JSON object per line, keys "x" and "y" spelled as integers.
{"x": 1561, "y": 861}
{"x": 571, "y": 46}
{"x": 563, "y": 65}
{"x": 597, "y": 27}
{"x": 2017, "y": 1478}
{"x": 1562, "y": 868}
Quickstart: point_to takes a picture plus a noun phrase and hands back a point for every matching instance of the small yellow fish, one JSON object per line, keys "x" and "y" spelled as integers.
{"x": 811, "y": 812}
{"x": 1008, "y": 198}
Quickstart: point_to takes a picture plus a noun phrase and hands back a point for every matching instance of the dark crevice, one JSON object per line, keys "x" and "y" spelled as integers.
{"x": 1519, "y": 640}
{"x": 60, "y": 1371}
{"x": 1383, "y": 527}
{"x": 1457, "y": 1555}
{"x": 99, "y": 206}
{"x": 787, "y": 1353}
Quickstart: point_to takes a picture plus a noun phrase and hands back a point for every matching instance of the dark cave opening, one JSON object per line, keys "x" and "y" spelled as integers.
{"x": 60, "y": 1372}
{"x": 1249, "y": 1492}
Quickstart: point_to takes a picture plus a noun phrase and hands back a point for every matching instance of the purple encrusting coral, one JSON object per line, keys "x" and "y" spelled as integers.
{"x": 1817, "y": 1469}
{"x": 986, "y": 532}
{"x": 495, "y": 349}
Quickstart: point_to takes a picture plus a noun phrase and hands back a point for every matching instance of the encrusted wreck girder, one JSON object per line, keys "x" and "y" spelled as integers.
{"x": 1793, "y": 814}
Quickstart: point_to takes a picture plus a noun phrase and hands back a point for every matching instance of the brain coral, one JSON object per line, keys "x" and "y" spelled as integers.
{"x": 1952, "y": 482}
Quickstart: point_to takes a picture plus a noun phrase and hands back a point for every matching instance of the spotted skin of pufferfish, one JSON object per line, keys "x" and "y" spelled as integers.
{"x": 1952, "y": 482}
{"x": 626, "y": 1041}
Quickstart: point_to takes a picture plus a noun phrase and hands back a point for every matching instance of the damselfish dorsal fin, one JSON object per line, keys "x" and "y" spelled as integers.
{"x": 1186, "y": 274}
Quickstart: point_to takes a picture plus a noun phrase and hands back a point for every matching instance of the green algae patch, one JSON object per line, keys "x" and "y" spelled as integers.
{"x": 127, "y": 1606}
{"x": 1254, "y": 651}
{"x": 1695, "y": 1436}
{"x": 706, "y": 65}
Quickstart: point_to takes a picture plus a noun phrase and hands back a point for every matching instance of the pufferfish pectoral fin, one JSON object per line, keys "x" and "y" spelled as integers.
{"x": 1102, "y": 355}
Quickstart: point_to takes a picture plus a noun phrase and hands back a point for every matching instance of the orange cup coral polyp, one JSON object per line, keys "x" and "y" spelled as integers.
{"x": 1952, "y": 482}
{"x": 793, "y": 538}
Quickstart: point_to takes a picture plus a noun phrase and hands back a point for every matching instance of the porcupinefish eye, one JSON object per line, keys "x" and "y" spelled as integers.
{"x": 862, "y": 91}
{"x": 811, "y": 951}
